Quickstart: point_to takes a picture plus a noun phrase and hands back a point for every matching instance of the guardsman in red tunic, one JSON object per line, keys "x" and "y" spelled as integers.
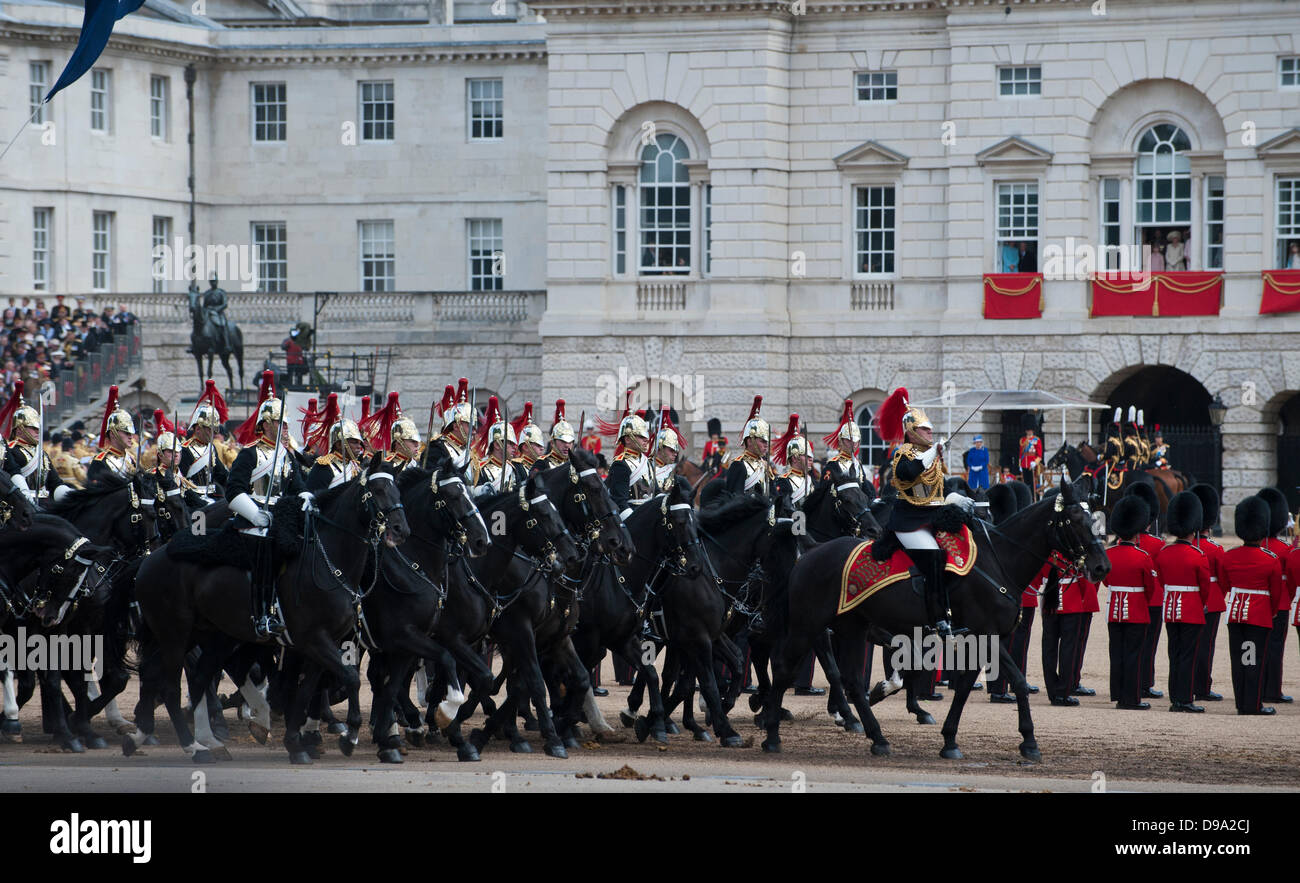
{"x": 1151, "y": 544}
{"x": 1279, "y": 521}
{"x": 1002, "y": 505}
{"x": 1185, "y": 572}
{"x": 1293, "y": 574}
{"x": 1064, "y": 615}
{"x": 1202, "y": 681}
{"x": 1091, "y": 605}
{"x": 1131, "y": 580}
{"x": 1255, "y": 577}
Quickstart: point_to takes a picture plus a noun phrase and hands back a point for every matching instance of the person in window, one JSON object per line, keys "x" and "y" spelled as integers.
{"x": 1028, "y": 260}
{"x": 681, "y": 262}
{"x": 1175, "y": 253}
{"x": 1293, "y": 256}
{"x": 1157, "y": 256}
{"x": 1010, "y": 257}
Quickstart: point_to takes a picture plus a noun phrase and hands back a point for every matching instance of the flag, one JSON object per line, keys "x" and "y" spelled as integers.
{"x": 96, "y": 28}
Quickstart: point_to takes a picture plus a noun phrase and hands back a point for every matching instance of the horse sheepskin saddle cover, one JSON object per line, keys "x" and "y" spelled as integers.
{"x": 227, "y": 547}
{"x": 875, "y": 566}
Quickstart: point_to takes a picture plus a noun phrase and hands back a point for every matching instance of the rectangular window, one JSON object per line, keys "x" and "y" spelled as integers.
{"x": 39, "y": 72}
{"x": 1288, "y": 223}
{"x": 873, "y": 229}
{"x": 486, "y": 109}
{"x": 1018, "y": 82}
{"x": 159, "y": 90}
{"x": 378, "y": 113}
{"x": 271, "y": 246}
{"x": 101, "y": 107}
{"x": 1288, "y": 70}
{"x": 270, "y": 112}
{"x": 1214, "y": 222}
{"x": 41, "y": 248}
{"x": 486, "y": 271}
{"x": 101, "y": 251}
{"x": 620, "y": 230}
{"x": 1017, "y": 228}
{"x": 162, "y": 235}
{"x": 708, "y": 229}
{"x": 877, "y": 85}
{"x": 1110, "y": 226}
{"x": 378, "y": 262}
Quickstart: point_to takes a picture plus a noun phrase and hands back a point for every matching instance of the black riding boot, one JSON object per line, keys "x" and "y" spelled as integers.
{"x": 930, "y": 562}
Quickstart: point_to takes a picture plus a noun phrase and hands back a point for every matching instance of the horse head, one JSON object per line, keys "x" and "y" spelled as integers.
{"x": 452, "y": 500}
{"x": 545, "y": 534}
{"x": 853, "y": 509}
{"x": 384, "y": 503}
{"x": 678, "y": 531}
{"x": 1070, "y": 531}
{"x": 1060, "y": 457}
{"x": 596, "y": 509}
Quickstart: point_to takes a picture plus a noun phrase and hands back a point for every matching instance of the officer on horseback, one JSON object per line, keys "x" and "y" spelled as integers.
{"x": 116, "y": 436}
{"x": 794, "y": 450}
{"x": 531, "y": 443}
{"x": 340, "y": 463}
{"x": 669, "y": 444}
{"x": 562, "y": 439}
{"x": 404, "y": 445}
{"x": 25, "y": 459}
{"x": 751, "y": 473}
{"x": 199, "y": 462}
{"x": 631, "y": 478}
{"x": 261, "y": 474}
{"x": 495, "y": 472}
{"x": 918, "y": 476}
{"x": 844, "y": 466}
{"x": 457, "y": 423}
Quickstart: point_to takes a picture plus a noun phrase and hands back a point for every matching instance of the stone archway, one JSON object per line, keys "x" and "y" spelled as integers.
{"x": 1285, "y": 409}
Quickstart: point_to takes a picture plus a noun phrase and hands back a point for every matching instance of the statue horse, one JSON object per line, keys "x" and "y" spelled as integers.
{"x": 208, "y": 339}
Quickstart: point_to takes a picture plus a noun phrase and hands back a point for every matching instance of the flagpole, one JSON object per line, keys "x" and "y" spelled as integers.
{"x": 40, "y": 107}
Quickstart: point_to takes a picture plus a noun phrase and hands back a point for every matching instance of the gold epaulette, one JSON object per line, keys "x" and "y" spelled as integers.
{"x": 328, "y": 459}
{"x": 101, "y": 455}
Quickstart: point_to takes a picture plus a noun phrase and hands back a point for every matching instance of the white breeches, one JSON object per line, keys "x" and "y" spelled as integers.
{"x": 916, "y": 539}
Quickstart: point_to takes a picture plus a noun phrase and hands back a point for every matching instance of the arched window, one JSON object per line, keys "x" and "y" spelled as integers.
{"x": 1162, "y": 196}
{"x": 872, "y": 448}
{"x": 664, "y": 189}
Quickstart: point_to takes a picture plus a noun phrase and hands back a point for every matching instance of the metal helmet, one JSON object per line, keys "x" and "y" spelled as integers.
{"x": 667, "y": 438}
{"x": 561, "y": 429}
{"x": 756, "y": 426}
{"x": 120, "y": 421}
{"x": 499, "y": 429}
{"x": 850, "y": 431}
{"x": 634, "y": 425}
{"x": 26, "y": 416}
{"x": 404, "y": 429}
{"x": 271, "y": 409}
{"x": 343, "y": 432}
{"x": 169, "y": 442}
{"x": 532, "y": 433}
{"x": 797, "y": 447}
{"x": 914, "y": 419}
{"x": 206, "y": 415}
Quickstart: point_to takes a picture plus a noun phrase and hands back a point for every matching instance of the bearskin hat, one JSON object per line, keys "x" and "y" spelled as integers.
{"x": 1024, "y": 496}
{"x": 1128, "y": 517}
{"x": 1147, "y": 494}
{"x": 715, "y": 426}
{"x": 1185, "y": 514}
{"x": 1209, "y": 498}
{"x": 1252, "y": 519}
{"x": 1028, "y": 421}
{"x": 1003, "y": 502}
{"x": 1279, "y": 510}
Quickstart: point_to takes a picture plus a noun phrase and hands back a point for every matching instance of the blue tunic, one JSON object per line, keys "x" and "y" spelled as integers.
{"x": 977, "y": 468}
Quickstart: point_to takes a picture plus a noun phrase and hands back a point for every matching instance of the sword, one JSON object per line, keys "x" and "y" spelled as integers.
{"x": 40, "y": 449}
{"x": 275, "y": 461}
{"x": 505, "y": 429}
{"x": 953, "y": 434}
{"x": 428, "y": 437}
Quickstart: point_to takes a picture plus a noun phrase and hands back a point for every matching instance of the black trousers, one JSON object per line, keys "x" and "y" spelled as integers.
{"x": 1183, "y": 638}
{"x": 803, "y": 674}
{"x": 1064, "y": 636}
{"x": 1276, "y": 647}
{"x": 1202, "y": 678}
{"x": 1018, "y": 649}
{"x": 1149, "y": 647}
{"x": 1083, "y": 648}
{"x": 1126, "y": 661}
{"x": 1247, "y": 677}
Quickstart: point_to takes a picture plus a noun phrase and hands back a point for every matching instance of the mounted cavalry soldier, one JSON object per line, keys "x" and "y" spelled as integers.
{"x": 844, "y": 466}
{"x": 918, "y": 474}
{"x": 457, "y": 423}
{"x": 116, "y": 435}
{"x": 751, "y": 473}
{"x": 262, "y": 473}
{"x": 404, "y": 444}
{"x": 631, "y": 477}
{"x": 495, "y": 473}
{"x": 340, "y": 463}
{"x": 1113, "y": 454}
{"x": 562, "y": 439}
{"x": 793, "y": 451}
{"x": 669, "y": 445}
{"x": 1132, "y": 441}
{"x": 200, "y": 464}
{"x": 1159, "y": 450}
{"x": 529, "y": 434}
{"x": 24, "y": 458}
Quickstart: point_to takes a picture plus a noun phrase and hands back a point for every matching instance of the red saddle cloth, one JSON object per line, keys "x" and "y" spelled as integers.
{"x": 863, "y": 575}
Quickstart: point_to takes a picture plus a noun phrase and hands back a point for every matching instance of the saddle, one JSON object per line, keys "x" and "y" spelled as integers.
{"x": 227, "y": 547}
{"x": 864, "y": 574}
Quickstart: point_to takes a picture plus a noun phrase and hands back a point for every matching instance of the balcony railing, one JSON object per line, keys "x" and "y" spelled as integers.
{"x": 872, "y": 296}
{"x": 661, "y": 296}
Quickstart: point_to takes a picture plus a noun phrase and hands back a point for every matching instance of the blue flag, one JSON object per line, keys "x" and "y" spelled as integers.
{"x": 96, "y": 28}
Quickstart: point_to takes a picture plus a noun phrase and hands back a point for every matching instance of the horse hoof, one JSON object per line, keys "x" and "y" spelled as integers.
{"x": 220, "y": 733}
{"x": 572, "y": 742}
{"x": 659, "y": 735}
{"x": 787, "y": 715}
{"x": 924, "y": 718}
{"x": 477, "y": 739}
{"x": 121, "y": 729}
{"x": 128, "y": 746}
{"x": 881, "y": 749}
{"x": 151, "y": 739}
{"x": 74, "y": 745}
{"x": 203, "y": 755}
{"x": 755, "y": 702}
{"x": 337, "y": 728}
{"x": 626, "y": 719}
{"x": 300, "y": 758}
{"x": 221, "y": 752}
{"x": 557, "y": 750}
{"x": 390, "y": 755}
{"x": 771, "y": 747}
{"x": 522, "y": 747}
{"x": 642, "y": 727}
{"x": 347, "y": 745}
{"x": 96, "y": 743}
{"x": 1031, "y": 753}
{"x": 703, "y": 736}
{"x": 258, "y": 732}
{"x": 733, "y": 742}
{"x": 11, "y": 729}
{"x": 953, "y": 753}
{"x": 466, "y": 753}
{"x": 671, "y": 728}
{"x": 415, "y": 738}
{"x": 313, "y": 751}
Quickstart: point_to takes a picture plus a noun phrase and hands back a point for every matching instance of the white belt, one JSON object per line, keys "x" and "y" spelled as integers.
{"x": 1126, "y": 589}
{"x": 1237, "y": 591}
{"x": 210, "y": 489}
{"x": 1169, "y": 588}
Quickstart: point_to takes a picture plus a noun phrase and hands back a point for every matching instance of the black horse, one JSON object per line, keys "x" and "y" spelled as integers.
{"x": 319, "y": 589}
{"x": 207, "y": 338}
{"x": 986, "y": 601}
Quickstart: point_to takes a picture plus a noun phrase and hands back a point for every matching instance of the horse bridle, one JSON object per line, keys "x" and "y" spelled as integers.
{"x": 591, "y": 525}
{"x": 79, "y": 589}
{"x": 378, "y": 517}
{"x": 547, "y": 552}
{"x": 856, "y": 518}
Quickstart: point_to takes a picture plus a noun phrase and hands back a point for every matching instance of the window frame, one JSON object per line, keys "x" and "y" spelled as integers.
{"x": 499, "y": 100}
{"x": 253, "y": 104}
{"x": 106, "y": 91}
{"x": 495, "y": 235}
{"x": 886, "y": 86}
{"x": 363, "y": 103}
{"x": 106, "y": 252}
{"x": 1294, "y": 72}
{"x": 160, "y": 285}
{"x": 1282, "y": 240}
{"x": 280, "y": 280}
{"x": 857, "y": 231}
{"x": 160, "y": 108}
{"x": 375, "y": 282}
{"x": 618, "y": 227}
{"x": 675, "y": 229}
{"x": 998, "y": 238}
{"x": 1208, "y": 222}
{"x": 1117, "y": 201}
{"x": 42, "y": 254}
{"x": 36, "y": 91}
{"x": 1029, "y": 81}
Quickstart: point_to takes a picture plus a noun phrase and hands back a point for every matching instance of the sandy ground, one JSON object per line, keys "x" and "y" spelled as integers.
{"x": 1083, "y": 748}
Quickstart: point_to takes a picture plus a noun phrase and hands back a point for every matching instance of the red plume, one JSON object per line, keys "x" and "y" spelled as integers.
{"x": 309, "y": 417}
{"x": 1157, "y": 430}
{"x": 755, "y": 408}
{"x": 778, "y": 446}
{"x": 559, "y": 413}
{"x": 666, "y": 422}
{"x": 846, "y": 417}
{"x": 246, "y": 434}
{"x": 889, "y": 417}
{"x": 485, "y": 431}
{"x": 161, "y": 424}
{"x": 378, "y": 427}
{"x": 213, "y": 398}
{"x": 462, "y": 390}
{"x": 320, "y": 434}
{"x": 365, "y": 409}
{"x": 610, "y": 430}
{"x": 448, "y": 400}
{"x": 523, "y": 419}
{"x": 7, "y": 412}
{"x": 109, "y": 407}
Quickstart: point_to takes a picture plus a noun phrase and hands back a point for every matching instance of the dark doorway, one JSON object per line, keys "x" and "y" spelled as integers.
{"x": 1288, "y": 450}
{"x": 1178, "y": 403}
{"x": 1014, "y": 424}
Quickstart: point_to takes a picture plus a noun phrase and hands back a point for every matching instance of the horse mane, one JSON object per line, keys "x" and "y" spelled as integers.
{"x": 731, "y": 511}
{"x": 583, "y": 459}
{"x": 819, "y": 492}
{"x": 324, "y": 498}
{"x": 495, "y": 500}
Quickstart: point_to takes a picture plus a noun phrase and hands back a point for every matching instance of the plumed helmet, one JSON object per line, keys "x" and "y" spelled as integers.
{"x": 1279, "y": 511}
{"x": 1024, "y": 496}
{"x": 531, "y": 433}
{"x": 120, "y": 421}
{"x": 500, "y": 429}
{"x": 1128, "y": 517}
{"x": 404, "y": 429}
{"x": 561, "y": 429}
{"x": 205, "y": 415}
{"x": 915, "y": 419}
{"x": 847, "y": 428}
{"x": 1003, "y": 502}
{"x": 271, "y": 409}
{"x": 796, "y": 447}
{"x": 1147, "y": 494}
{"x": 1184, "y": 515}
{"x": 342, "y": 432}
{"x": 1209, "y": 498}
{"x": 26, "y": 416}
{"x": 168, "y": 441}
{"x": 756, "y": 426}
{"x": 210, "y": 410}
{"x": 1252, "y": 517}
{"x": 634, "y": 425}
{"x": 461, "y": 412}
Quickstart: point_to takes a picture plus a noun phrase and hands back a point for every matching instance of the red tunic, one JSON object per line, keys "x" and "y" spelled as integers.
{"x": 1152, "y": 546}
{"x": 591, "y": 443}
{"x": 1282, "y": 551}
{"x": 1255, "y": 577}
{"x": 1029, "y": 597}
{"x": 1132, "y": 579}
{"x": 1090, "y": 592}
{"x": 1185, "y": 573}
{"x": 1031, "y": 451}
{"x": 1214, "y": 553}
{"x": 1073, "y": 589}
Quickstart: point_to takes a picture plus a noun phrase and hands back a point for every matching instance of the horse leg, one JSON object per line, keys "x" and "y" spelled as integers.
{"x": 634, "y": 696}
{"x": 855, "y": 688}
{"x": 1029, "y": 745}
{"x": 961, "y": 683}
{"x": 518, "y": 634}
{"x": 652, "y": 724}
{"x": 56, "y": 717}
{"x": 11, "y": 729}
{"x": 699, "y": 659}
{"x": 448, "y": 714}
{"x": 784, "y": 660}
{"x": 167, "y": 666}
{"x": 78, "y": 683}
{"x": 835, "y": 694}
{"x": 912, "y": 679}
{"x": 295, "y": 713}
{"x": 383, "y": 720}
